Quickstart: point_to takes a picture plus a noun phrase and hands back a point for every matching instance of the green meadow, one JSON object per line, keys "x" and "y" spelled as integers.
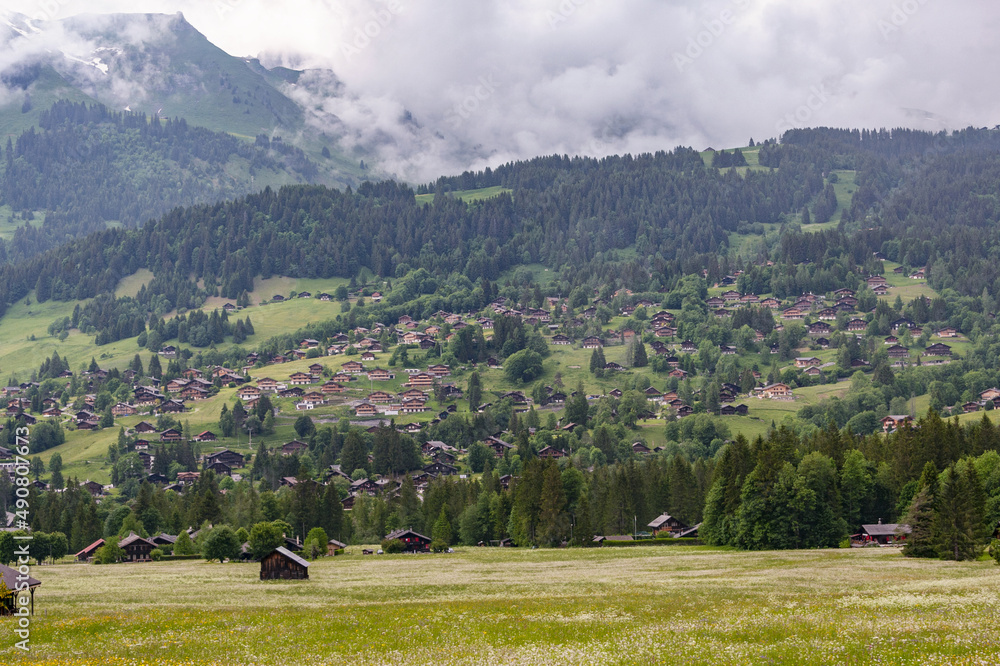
{"x": 639, "y": 605}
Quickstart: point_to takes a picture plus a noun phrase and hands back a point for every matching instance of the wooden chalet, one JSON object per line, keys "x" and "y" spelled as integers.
{"x": 136, "y": 548}
{"x": 667, "y": 523}
{"x": 205, "y": 436}
{"x": 884, "y": 534}
{"x": 283, "y": 564}
{"x": 413, "y": 542}
{"x": 292, "y": 447}
{"x": 894, "y": 421}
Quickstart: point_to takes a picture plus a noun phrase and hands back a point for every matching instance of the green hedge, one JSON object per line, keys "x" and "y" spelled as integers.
{"x": 653, "y": 542}
{"x": 168, "y": 558}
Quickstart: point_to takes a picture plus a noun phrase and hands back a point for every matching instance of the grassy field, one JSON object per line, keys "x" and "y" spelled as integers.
{"x": 642, "y": 605}
{"x": 468, "y": 196}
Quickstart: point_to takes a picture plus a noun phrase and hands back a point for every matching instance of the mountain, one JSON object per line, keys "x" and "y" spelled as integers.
{"x": 156, "y": 64}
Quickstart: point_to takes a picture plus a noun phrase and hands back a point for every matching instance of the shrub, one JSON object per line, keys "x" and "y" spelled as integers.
{"x": 392, "y": 546}
{"x": 156, "y": 554}
{"x": 995, "y": 550}
{"x": 439, "y": 546}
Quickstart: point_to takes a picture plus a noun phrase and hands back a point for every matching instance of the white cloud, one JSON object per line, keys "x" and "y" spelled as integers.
{"x": 436, "y": 87}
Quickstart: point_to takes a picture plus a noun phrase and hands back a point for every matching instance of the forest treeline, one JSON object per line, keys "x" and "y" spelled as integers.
{"x": 87, "y": 165}
{"x": 779, "y": 491}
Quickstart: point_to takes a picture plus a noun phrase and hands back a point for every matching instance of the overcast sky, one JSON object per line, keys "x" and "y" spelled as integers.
{"x": 485, "y": 82}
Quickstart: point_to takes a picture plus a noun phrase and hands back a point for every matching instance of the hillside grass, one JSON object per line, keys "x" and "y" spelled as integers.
{"x": 468, "y": 196}
{"x": 639, "y": 605}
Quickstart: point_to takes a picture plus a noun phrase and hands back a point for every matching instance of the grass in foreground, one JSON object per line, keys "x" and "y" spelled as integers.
{"x": 488, "y": 606}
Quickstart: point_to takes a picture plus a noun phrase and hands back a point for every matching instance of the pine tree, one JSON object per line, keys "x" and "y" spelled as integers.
{"x": 958, "y": 523}
{"x": 551, "y": 519}
{"x": 441, "y": 534}
{"x": 597, "y": 361}
{"x": 475, "y": 391}
{"x": 921, "y": 516}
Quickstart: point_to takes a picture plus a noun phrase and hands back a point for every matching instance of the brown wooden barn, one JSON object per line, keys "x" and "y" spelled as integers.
{"x": 281, "y": 563}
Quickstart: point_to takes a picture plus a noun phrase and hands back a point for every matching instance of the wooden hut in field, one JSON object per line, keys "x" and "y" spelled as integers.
{"x": 11, "y": 579}
{"x": 283, "y": 564}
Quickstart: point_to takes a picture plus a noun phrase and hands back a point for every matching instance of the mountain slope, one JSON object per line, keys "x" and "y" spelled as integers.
{"x": 159, "y": 65}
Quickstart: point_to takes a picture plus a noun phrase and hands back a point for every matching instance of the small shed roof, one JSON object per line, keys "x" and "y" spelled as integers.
{"x": 290, "y": 555}
{"x": 10, "y": 575}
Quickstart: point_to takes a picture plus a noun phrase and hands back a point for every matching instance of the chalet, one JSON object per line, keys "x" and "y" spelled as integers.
{"x": 771, "y": 303}
{"x": 299, "y": 378}
{"x": 277, "y": 298}
{"x": 94, "y": 488}
{"x": 777, "y": 392}
{"x": 220, "y": 468}
{"x": 938, "y": 349}
{"x": 176, "y": 385}
{"x": 365, "y": 409}
{"x": 948, "y": 333}
{"x": 678, "y": 373}
{"x": 136, "y": 548}
{"x": 187, "y": 478}
{"x": 421, "y": 379}
{"x": 715, "y": 302}
{"x": 886, "y": 534}
{"x": 353, "y": 367}
{"x": 827, "y": 314}
{"x": 123, "y": 409}
{"x": 248, "y": 393}
{"x": 367, "y": 356}
{"x": 413, "y": 542}
{"x": 141, "y": 445}
{"x": 283, "y": 564}
{"x": 820, "y": 328}
{"x": 171, "y": 435}
{"x": 919, "y": 274}
{"x": 665, "y": 332}
{"x": 592, "y": 342}
{"x": 615, "y": 367}
{"x": 791, "y": 313}
{"x": 380, "y": 398}
{"x": 895, "y": 421}
{"x": 498, "y": 445}
{"x": 666, "y": 523}
{"x": 876, "y": 280}
{"x": 194, "y": 393}
{"x": 902, "y": 323}
{"x": 640, "y": 448}
{"x": 439, "y": 370}
{"x": 168, "y": 352}
{"x": 205, "y": 436}
{"x": 231, "y": 458}
{"x": 807, "y": 362}
{"x": 266, "y": 384}
{"x": 292, "y": 447}
{"x": 415, "y": 406}
{"x": 898, "y": 351}
{"x": 331, "y": 388}
{"x": 550, "y": 452}
{"x": 440, "y": 469}
{"x": 293, "y": 392}
{"x": 731, "y": 295}
{"x": 727, "y": 350}
{"x": 857, "y": 325}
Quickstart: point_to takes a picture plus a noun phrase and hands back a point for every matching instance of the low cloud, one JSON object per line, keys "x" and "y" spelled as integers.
{"x": 432, "y": 88}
